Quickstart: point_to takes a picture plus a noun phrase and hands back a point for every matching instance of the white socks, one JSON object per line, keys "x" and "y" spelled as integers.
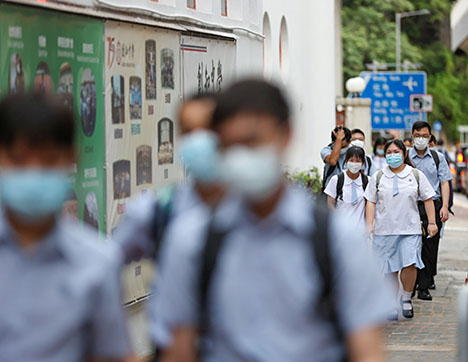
{"x": 406, "y": 296}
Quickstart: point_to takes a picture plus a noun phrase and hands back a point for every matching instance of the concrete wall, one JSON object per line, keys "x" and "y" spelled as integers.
{"x": 309, "y": 77}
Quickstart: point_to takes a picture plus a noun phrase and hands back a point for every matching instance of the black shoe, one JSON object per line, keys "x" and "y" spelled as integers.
{"x": 432, "y": 286}
{"x": 407, "y": 313}
{"x": 424, "y": 294}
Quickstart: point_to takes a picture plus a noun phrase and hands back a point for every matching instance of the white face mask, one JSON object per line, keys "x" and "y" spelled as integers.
{"x": 354, "y": 167}
{"x": 253, "y": 172}
{"x": 420, "y": 143}
{"x": 358, "y": 143}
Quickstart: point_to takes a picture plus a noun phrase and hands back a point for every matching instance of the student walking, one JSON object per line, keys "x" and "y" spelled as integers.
{"x": 379, "y": 153}
{"x": 358, "y": 139}
{"x": 333, "y": 155}
{"x": 346, "y": 191}
{"x": 393, "y": 217}
{"x": 437, "y": 171}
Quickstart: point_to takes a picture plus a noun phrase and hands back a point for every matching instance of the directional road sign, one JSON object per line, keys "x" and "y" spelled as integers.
{"x": 437, "y": 126}
{"x": 421, "y": 103}
{"x": 390, "y": 93}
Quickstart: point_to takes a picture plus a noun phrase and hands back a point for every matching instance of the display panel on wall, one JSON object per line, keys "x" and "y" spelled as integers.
{"x": 208, "y": 64}
{"x": 56, "y": 52}
{"x": 142, "y": 95}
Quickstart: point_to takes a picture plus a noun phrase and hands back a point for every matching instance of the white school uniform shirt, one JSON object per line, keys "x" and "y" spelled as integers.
{"x": 379, "y": 162}
{"x": 357, "y": 212}
{"x": 398, "y": 215}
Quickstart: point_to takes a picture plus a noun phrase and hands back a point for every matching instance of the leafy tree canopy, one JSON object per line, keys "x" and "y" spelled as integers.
{"x": 369, "y": 34}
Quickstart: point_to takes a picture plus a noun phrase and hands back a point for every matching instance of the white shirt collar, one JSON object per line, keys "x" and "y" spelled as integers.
{"x": 349, "y": 180}
{"x": 389, "y": 173}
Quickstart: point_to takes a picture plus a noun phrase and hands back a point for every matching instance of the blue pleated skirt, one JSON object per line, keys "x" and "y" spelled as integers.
{"x": 396, "y": 252}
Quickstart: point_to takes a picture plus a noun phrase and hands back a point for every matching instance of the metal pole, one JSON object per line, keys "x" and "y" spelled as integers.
{"x": 398, "y": 42}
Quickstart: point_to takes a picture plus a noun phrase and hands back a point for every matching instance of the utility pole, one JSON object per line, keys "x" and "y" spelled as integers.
{"x": 398, "y": 17}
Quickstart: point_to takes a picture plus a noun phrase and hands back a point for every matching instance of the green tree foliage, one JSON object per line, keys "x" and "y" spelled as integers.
{"x": 369, "y": 34}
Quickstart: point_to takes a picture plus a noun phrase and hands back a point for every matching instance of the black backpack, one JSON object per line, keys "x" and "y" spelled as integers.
{"x": 320, "y": 246}
{"x": 340, "y": 184}
{"x": 436, "y": 158}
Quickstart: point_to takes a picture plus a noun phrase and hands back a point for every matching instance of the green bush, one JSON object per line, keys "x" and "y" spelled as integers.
{"x": 310, "y": 179}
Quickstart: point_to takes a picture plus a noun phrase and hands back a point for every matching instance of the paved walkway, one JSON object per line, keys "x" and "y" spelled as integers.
{"x": 431, "y": 335}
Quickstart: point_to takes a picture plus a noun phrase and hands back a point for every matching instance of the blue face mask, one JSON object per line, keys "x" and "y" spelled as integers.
{"x": 380, "y": 152}
{"x": 199, "y": 151}
{"x": 394, "y": 160}
{"x": 33, "y": 194}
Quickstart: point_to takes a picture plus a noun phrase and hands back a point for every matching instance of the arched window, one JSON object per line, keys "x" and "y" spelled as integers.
{"x": 267, "y": 58}
{"x": 284, "y": 49}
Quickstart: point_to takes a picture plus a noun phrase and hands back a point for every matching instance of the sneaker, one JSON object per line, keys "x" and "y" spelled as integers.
{"x": 407, "y": 308}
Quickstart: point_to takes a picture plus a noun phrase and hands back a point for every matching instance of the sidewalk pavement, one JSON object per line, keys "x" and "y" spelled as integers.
{"x": 431, "y": 335}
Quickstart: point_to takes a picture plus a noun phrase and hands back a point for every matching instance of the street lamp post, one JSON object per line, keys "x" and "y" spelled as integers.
{"x": 398, "y": 17}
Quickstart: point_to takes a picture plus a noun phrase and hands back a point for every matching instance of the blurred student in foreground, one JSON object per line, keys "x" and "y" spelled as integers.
{"x": 147, "y": 217}
{"x": 59, "y": 285}
{"x": 268, "y": 276}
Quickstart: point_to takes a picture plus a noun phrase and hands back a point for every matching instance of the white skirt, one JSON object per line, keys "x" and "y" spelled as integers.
{"x": 396, "y": 252}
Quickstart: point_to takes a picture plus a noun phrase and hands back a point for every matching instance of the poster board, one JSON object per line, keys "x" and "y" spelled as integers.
{"x": 56, "y": 52}
{"x": 209, "y": 65}
{"x": 142, "y": 97}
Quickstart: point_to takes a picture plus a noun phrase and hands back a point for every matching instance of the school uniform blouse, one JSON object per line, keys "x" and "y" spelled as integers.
{"x": 379, "y": 162}
{"x": 396, "y": 198}
{"x": 355, "y": 212}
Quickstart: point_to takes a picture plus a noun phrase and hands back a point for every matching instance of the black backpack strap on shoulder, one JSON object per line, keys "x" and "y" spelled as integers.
{"x": 321, "y": 247}
{"x": 327, "y": 175}
{"x": 436, "y": 158}
{"x": 214, "y": 242}
{"x": 369, "y": 164}
{"x": 339, "y": 187}
{"x": 365, "y": 181}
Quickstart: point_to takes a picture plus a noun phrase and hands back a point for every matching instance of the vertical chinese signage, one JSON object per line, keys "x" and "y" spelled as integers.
{"x": 55, "y": 52}
{"x": 208, "y": 64}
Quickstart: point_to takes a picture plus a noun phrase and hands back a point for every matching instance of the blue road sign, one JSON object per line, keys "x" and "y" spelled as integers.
{"x": 437, "y": 126}
{"x": 390, "y": 94}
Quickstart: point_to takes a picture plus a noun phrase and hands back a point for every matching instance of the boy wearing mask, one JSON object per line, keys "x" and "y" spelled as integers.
{"x": 59, "y": 286}
{"x": 334, "y": 154}
{"x": 244, "y": 282}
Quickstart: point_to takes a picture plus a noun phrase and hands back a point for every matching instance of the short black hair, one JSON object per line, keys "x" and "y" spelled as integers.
{"x": 419, "y": 125}
{"x": 357, "y": 130}
{"x": 379, "y": 142}
{"x": 347, "y": 132}
{"x": 36, "y": 119}
{"x": 409, "y": 139}
{"x": 255, "y": 96}
{"x": 433, "y": 139}
{"x": 401, "y": 145}
{"x": 355, "y": 152}
{"x": 440, "y": 142}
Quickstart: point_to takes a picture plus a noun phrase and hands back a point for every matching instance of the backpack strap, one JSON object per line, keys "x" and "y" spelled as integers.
{"x": 377, "y": 181}
{"x": 369, "y": 164}
{"x": 365, "y": 180}
{"x": 320, "y": 242}
{"x": 162, "y": 215}
{"x": 327, "y": 175}
{"x": 339, "y": 187}
{"x": 436, "y": 158}
{"x": 213, "y": 245}
{"x": 416, "y": 176}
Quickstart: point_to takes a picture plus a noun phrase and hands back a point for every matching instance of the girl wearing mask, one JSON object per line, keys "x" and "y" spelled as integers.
{"x": 346, "y": 190}
{"x": 379, "y": 153}
{"x": 392, "y": 216}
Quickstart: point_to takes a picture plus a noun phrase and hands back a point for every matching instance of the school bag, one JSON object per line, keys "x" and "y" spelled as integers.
{"x": 320, "y": 247}
{"x": 436, "y": 158}
{"x": 162, "y": 215}
{"x": 340, "y": 184}
{"x": 369, "y": 164}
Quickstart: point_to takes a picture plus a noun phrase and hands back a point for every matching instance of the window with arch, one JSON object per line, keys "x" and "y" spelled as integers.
{"x": 284, "y": 49}
{"x": 192, "y": 4}
{"x": 224, "y": 8}
{"x": 267, "y": 59}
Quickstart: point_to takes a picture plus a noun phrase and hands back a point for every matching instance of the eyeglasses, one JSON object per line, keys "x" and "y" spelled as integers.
{"x": 421, "y": 135}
